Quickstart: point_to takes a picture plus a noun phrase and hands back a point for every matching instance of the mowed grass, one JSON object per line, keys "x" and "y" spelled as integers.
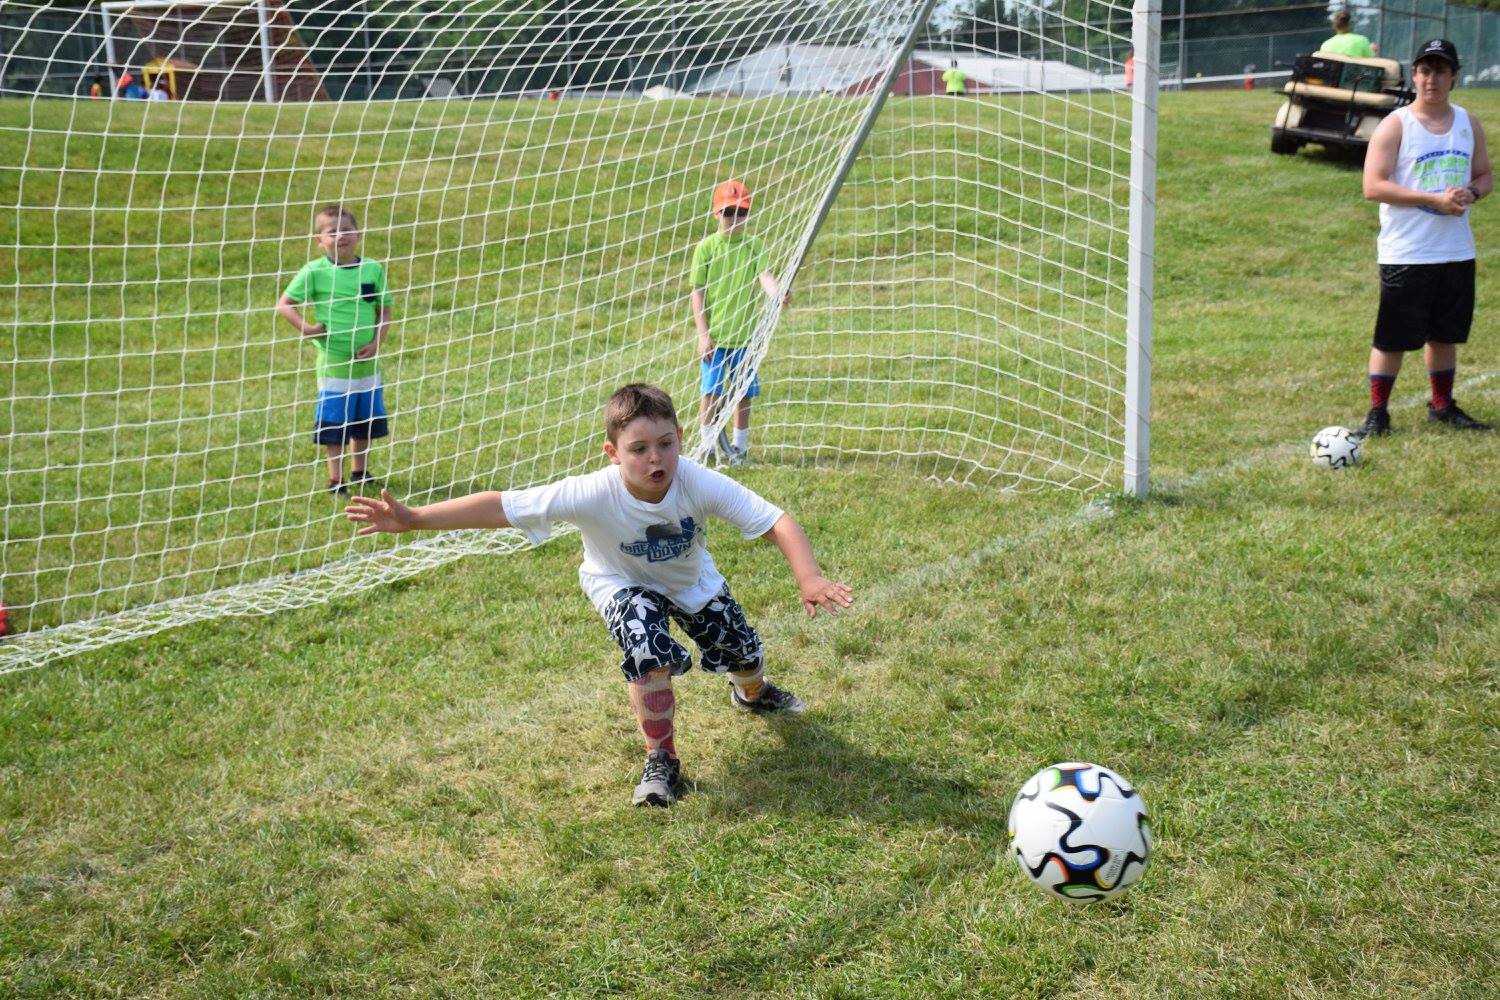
{"x": 424, "y": 791}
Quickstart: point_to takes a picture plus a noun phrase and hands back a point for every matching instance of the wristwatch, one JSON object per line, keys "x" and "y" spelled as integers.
{"x": 1475, "y": 192}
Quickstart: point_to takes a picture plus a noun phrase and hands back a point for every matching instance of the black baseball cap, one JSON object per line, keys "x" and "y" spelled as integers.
{"x": 1440, "y": 47}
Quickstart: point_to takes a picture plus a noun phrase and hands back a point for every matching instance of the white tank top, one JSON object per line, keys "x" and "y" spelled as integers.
{"x": 1432, "y": 163}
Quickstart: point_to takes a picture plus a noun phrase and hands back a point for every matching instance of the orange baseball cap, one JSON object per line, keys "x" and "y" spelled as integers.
{"x": 731, "y": 194}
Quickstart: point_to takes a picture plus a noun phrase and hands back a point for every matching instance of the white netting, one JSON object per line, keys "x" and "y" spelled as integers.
{"x": 534, "y": 177}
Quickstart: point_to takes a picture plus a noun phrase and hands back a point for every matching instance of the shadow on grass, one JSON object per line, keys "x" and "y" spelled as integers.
{"x": 812, "y": 769}
{"x": 1334, "y": 156}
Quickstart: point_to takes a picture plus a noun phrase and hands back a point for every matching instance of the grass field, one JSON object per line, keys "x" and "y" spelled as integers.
{"x": 424, "y": 790}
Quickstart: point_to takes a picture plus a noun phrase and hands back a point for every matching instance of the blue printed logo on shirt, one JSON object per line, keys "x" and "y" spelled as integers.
{"x": 663, "y": 541}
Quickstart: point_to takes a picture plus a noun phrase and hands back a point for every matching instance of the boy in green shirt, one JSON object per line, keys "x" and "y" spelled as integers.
{"x": 727, "y": 266}
{"x": 352, "y": 306}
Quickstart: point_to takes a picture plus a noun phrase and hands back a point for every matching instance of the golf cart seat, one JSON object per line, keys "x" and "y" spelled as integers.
{"x": 1336, "y": 100}
{"x": 1363, "y": 98}
{"x": 1330, "y": 76}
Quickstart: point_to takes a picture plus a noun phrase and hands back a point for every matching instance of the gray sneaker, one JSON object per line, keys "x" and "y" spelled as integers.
{"x": 724, "y": 451}
{"x": 772, "y": 701}
{"x": 661, "y": 780}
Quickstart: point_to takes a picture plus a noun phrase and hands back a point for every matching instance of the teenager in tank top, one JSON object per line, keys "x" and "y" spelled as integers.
{"x": 1427, "y": 166}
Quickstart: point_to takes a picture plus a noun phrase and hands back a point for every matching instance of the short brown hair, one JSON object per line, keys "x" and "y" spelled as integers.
{"x": 634, "y": 401}
{"x": 1341, "y": 20}
{"x": 335, "y": 211}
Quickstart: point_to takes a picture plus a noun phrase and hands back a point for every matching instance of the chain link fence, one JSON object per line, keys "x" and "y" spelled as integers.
{"x": 363, "y": 51}
{"x": 1196, "y": 46}
{"x": 362, "y": 56}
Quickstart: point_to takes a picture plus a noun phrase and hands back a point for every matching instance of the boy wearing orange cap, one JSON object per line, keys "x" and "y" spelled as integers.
{"x": 727, "y": 267}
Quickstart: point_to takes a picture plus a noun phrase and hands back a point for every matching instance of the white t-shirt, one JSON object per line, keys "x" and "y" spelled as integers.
{"x": 1431, "y": 163}
{"x": 631, "y": 543}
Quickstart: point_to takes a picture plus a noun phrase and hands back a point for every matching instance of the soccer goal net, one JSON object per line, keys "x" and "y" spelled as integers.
{"x": 969, "y": 272}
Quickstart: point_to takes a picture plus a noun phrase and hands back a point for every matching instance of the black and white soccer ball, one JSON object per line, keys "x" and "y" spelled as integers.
{"x": 1335, "y": 448}
{"x": 1079, "y": 831}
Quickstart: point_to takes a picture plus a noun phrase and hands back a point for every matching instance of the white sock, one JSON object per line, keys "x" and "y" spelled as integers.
{"x": 742, "y": 438}
{"x": 708, "y": 436}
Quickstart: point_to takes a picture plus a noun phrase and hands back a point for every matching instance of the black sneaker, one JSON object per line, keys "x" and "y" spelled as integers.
{"x": 337, "y": 488}
{"x": 661, "y": 781}
{"x": 1455, "y": 418}
{"x": 1377, "y": 423}
{"x": 363, "y": 476}
{"x": 772, "y": 701}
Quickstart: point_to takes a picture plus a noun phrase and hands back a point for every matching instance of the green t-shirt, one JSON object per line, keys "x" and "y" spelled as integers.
{"x": 1349, "y": 44}
{"x": 347, "y": 300}
{"x": 728, "y": 269}
{"x": 955, "y": 78}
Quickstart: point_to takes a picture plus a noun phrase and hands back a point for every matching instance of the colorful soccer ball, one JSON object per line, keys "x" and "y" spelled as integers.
{"x": 1079, "y": 831}
{"x": 1335, "y": 448}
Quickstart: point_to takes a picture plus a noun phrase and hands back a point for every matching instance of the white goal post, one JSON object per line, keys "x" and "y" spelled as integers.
{"x": 1146, "y": 33}
{"x": 111, "y": 11}
{"x": 965, "y": 281}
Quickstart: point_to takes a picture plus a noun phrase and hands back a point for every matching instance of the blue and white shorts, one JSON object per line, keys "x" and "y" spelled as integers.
{"x": 350, "y": 409}
{"x": 639, "y": 621}
{"x": 722, "y": 369}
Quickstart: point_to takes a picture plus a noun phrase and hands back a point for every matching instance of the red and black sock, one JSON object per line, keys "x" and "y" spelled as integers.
{"x": 1442, "y": 388}
{"x": 1380, "y": 389}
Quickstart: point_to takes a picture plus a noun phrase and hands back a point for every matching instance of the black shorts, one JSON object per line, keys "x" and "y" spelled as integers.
{"x": 1424, "y": 303}
{"x": 637, "y": 618}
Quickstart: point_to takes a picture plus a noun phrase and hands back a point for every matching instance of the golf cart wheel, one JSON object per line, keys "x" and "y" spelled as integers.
{"x": 1284, "y": 144}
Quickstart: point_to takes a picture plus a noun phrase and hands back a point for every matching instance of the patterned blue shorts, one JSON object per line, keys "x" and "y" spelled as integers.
{"x": 638, "y": 619}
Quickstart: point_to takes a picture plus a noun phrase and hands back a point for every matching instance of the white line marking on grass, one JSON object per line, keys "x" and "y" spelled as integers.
{"x": 1095, "y": 509}
{"x": 1261, "y": 455}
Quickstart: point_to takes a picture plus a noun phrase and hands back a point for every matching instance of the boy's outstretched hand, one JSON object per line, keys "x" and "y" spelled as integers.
{"x": 386, "y": 514}
{"x": 821, "y": 592}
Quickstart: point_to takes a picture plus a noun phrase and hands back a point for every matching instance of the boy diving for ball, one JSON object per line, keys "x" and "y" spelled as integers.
{"x": 643, "y": 519}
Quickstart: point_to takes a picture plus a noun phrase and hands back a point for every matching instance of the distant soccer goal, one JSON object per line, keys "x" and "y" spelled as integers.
{"x": 210, "y": 50}
{"x": 969, "y": 273}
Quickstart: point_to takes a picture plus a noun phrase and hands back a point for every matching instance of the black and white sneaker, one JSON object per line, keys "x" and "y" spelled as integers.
{"x": 1377, "y": 423}
{"x": 363, "y": 477}
{"x": 772, "y": 701}
{"x": 661, "y": 780}
{"x": 1455, "y": 418}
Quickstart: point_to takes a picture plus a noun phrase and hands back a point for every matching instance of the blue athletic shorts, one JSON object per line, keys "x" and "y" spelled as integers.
{"x": 726, "y": 363}
{"x": 350, "y": 414}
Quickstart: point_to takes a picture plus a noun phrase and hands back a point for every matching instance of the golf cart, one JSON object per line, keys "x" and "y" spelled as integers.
{"x": 1337, "y": 101}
